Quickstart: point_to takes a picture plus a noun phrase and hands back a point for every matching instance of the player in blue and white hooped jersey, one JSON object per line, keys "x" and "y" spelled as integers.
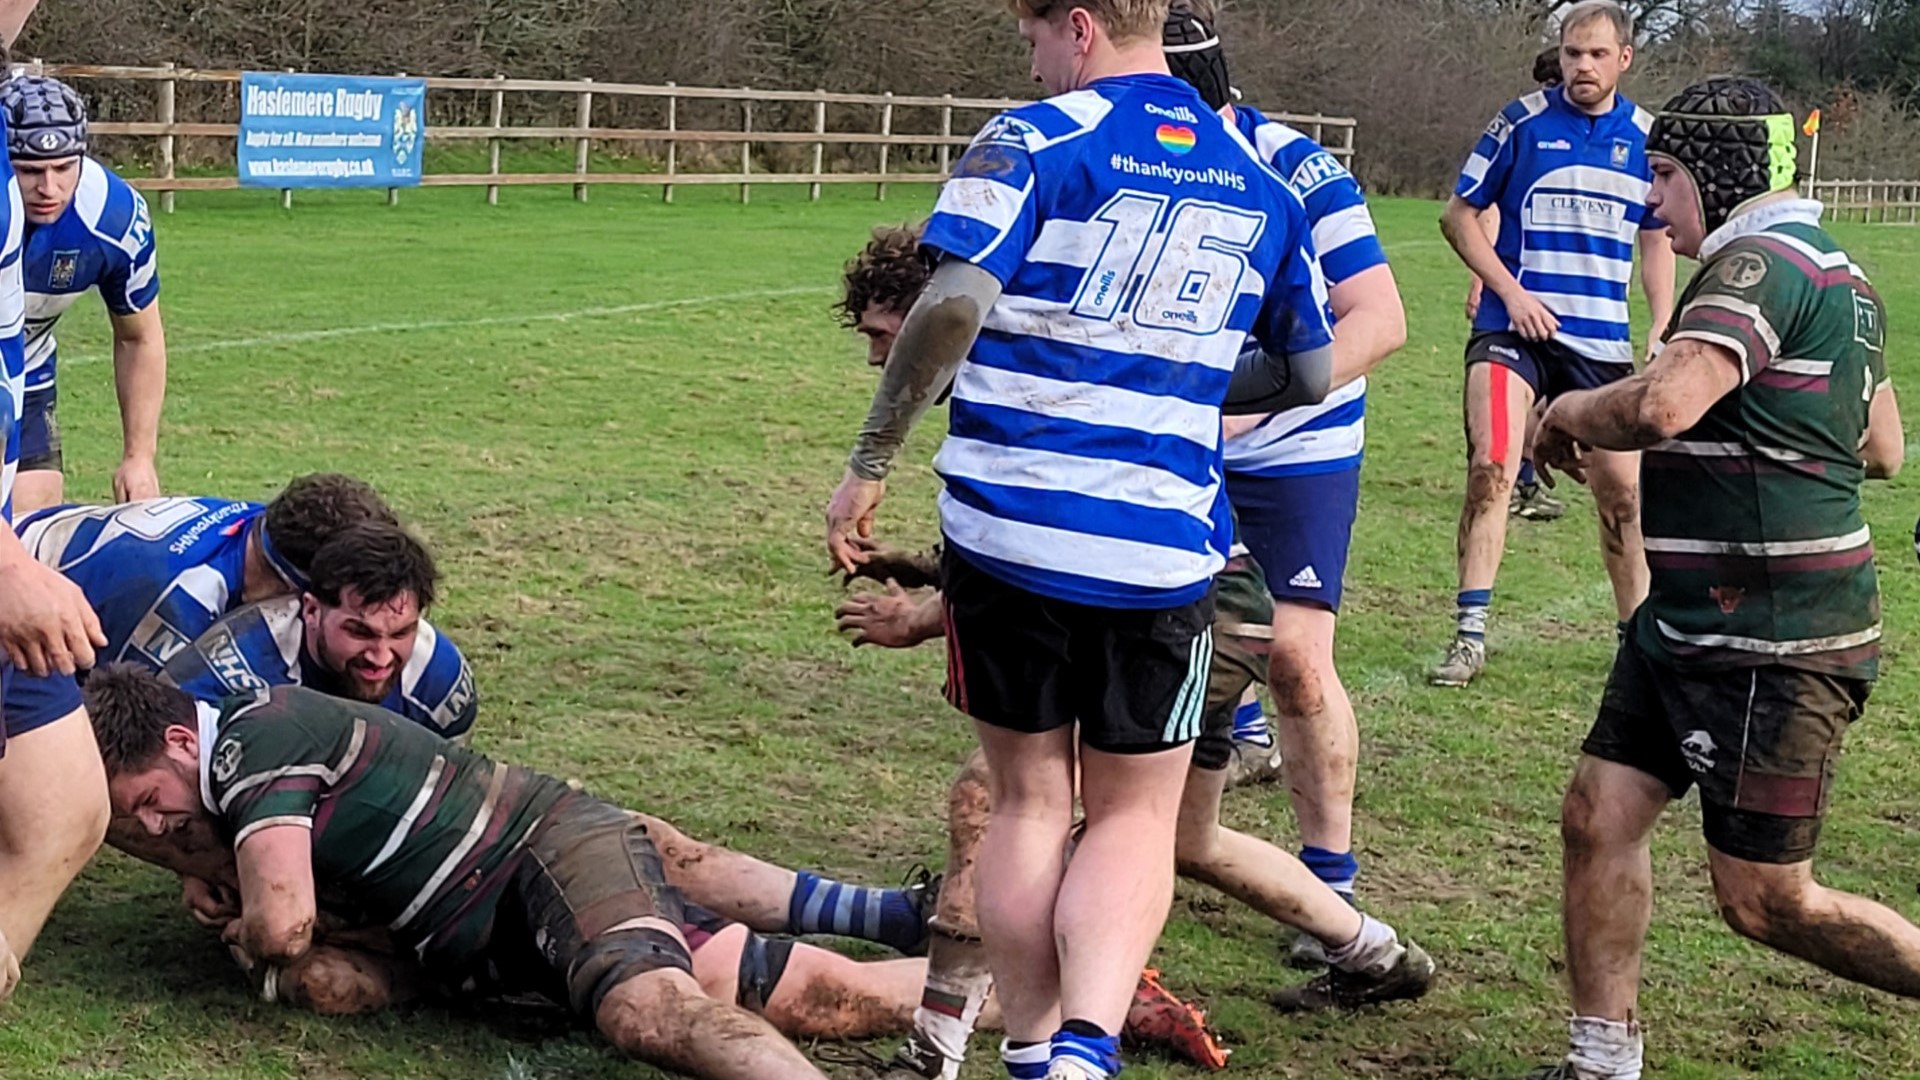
{"x": 1294, "y": 477}
{"x": 86, "y": 229}
{"x": 1106, "y": 254}
{"x": 53, "y": 798}
{"x": 1567, "y": 167}
{"x": 356, "y": 631}
{"x": 160, "y": 572}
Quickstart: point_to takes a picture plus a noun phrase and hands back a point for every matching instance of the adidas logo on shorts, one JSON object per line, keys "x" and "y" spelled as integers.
{"x": 1305, "y": 579}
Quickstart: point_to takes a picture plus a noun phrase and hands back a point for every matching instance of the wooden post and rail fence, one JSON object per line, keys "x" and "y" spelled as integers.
{"x": 948, "y": 122}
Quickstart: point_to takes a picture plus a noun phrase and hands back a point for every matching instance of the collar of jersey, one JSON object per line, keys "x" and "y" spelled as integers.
{"x": 1759, "y": 219}
{"x": 1557, "y": 96}
{"x": 209, "y": 718}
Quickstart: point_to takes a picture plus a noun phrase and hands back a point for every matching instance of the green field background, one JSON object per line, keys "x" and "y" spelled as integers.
{"x": 618, "y": 422}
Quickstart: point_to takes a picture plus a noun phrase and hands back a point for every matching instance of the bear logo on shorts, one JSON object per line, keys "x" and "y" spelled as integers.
{"x": 1698, "y": 749}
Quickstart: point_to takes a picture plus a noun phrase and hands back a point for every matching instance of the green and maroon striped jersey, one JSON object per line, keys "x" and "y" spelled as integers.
{"x": 414, "y": 832}
{"x": 1755, "y": 542}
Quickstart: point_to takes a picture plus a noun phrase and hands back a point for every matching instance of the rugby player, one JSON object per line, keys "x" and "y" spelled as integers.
{"x": 159, "y": 573}
{"x": 494, "y": 877}
{"x": 1082, "y": 513}
{"x": 1756, "y": 648}
{"x": 52, "y": 789}
{"x": 1294, "y": 477}
{"x": 357, "y": 631}
{"x": 879, "y": 287}
{"x": 1530, "y": 499}
{"x": 1567, "y": 168}
{"x": 86, "y": 229}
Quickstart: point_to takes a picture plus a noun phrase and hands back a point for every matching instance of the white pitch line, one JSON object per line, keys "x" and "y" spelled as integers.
{"x": 291, "y": 337}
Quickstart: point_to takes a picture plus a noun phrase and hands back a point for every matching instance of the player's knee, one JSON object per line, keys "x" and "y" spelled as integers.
{"x": 1581, "y": 826}
{"x": 680, "y": 854}
{"x": 1195, "y": 843}
{"x": 1488, "y": 486}
{"x": 1762, "y": 906}
{"x": 970, "y": 798}
{"x": 1294, "y": 675}
{"x": 652, "y": 1016}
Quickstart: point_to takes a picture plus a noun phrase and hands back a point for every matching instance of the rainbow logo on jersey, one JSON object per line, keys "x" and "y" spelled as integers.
{"x": 1175, "y": 139}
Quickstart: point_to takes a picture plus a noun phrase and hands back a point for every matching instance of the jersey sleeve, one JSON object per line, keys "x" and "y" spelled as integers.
{"x": 1744, "y": 301}
{"x": 1343, "y": 233}
{"x": 986, "y": 213}
{"x": 132, "y": 278}
{"x": 1294, "y": 316}
{"x": 266, "y": 769}
{"x": 1484, "y": 177}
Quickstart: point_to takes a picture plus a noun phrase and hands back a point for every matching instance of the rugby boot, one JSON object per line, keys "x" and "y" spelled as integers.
{"x": 1252, "y": 763}
{"x": 1465, "y": 658}
{"x": 916, "y": 1060}
{"x": 1412, "y": 977}
{"x": 1532, "y": 503}
{"x": 1559, "y": 1070}
{"x": 922, "y": 887}
{"x": 1157, "y": 1018}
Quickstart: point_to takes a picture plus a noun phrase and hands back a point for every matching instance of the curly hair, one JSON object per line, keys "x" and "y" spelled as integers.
{"x": 131, "y": 709}
{"x": 314, "y": 507}
{"x": 889, "y": 272}
{"x": 1546, "y": 67}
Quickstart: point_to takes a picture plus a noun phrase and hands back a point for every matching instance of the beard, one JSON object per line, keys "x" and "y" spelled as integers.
{"x": 347, "y": 681}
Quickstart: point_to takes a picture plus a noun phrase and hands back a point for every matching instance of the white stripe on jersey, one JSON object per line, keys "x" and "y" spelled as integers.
{"x": 1342, "y": 227}
{"x": 1570, "y": 264}
{"x": 1579, "y": 306}
{"x": 1086, "y": 107}
{"x": 1129, "y": 562}
{"x": 1089, "y": 403}
{"x": 985, "y": 200}
{"x": 1037, "y": 318}
{"x": 1071, "y": 243}
{"x": 1588, "y": 180}
{"x": 1046, "y": 470}
{"x": 1278, "y": 444}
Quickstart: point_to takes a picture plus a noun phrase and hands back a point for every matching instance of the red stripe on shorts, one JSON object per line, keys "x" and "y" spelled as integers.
{"x": 956, "y": 667}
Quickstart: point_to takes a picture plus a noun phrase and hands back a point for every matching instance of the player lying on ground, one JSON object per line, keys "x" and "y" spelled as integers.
{"x": 85, "y": 229}
{"x": 467, "y": 864}
{"x": 1759, "y": 642}
{"x": 880, "y": 286}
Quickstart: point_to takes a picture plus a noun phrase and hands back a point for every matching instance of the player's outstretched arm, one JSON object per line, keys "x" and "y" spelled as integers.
{"x": 140, "y": 380}
{"x": 1669, "y": 397}
{"x": 277, "y": 908}
{"x": 933, "y": 342}
{"x": 46, "y": 624}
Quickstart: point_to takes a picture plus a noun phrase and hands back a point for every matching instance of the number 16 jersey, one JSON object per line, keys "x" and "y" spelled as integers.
{"x": 1139, "y": 240}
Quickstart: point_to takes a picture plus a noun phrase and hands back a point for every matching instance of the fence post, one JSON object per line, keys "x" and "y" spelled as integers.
{"x": 37, "y": 67}
{"x": 946, "y": 128}
{"x": 393, "y": 193}
{"x": 673, "y": 142}
{"x": 580, "y": 147}
{"x": 819, "y": 148}
{"x": 286, "y": 193}
{"x": 1348, "y": 143}
{"x": 886, "y": 132}
{"x": 746, "y": 147}
{"x": 167, "y": 140}
{"x": 496, "y": 115}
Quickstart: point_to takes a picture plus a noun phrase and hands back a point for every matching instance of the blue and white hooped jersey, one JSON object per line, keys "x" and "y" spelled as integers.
{"x": 1572, "y": 192}
{"x": 265, "y": 644}
{"x": 1329, "y": 436}
{"x": 103, "y": 241}
{"x": 1140, "y": 240}
{"x": 158, "y": 573}
{"x": 13, "y": 314}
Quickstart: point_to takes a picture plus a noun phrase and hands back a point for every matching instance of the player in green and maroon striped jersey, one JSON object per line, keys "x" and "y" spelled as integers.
{"x": 1767, "y": 409}
{"x": 494, "y": 877}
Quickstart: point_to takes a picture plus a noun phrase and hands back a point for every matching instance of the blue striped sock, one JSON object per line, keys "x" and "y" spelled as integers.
{"x": 1336, "y": 868}
{"x": 1094, "y": 1052}
{"x": 824, "y": 906}
{"x": 1250, "y": 726}
{"x": 1027, "y": 1062}
{"x": 1471, "y": 612}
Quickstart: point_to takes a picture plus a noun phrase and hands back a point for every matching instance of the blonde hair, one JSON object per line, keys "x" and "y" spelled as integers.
{"x": 1125, "y": 20}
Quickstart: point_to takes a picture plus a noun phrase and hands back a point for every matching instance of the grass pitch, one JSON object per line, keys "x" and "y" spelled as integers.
{"x": 618, "y": 422}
